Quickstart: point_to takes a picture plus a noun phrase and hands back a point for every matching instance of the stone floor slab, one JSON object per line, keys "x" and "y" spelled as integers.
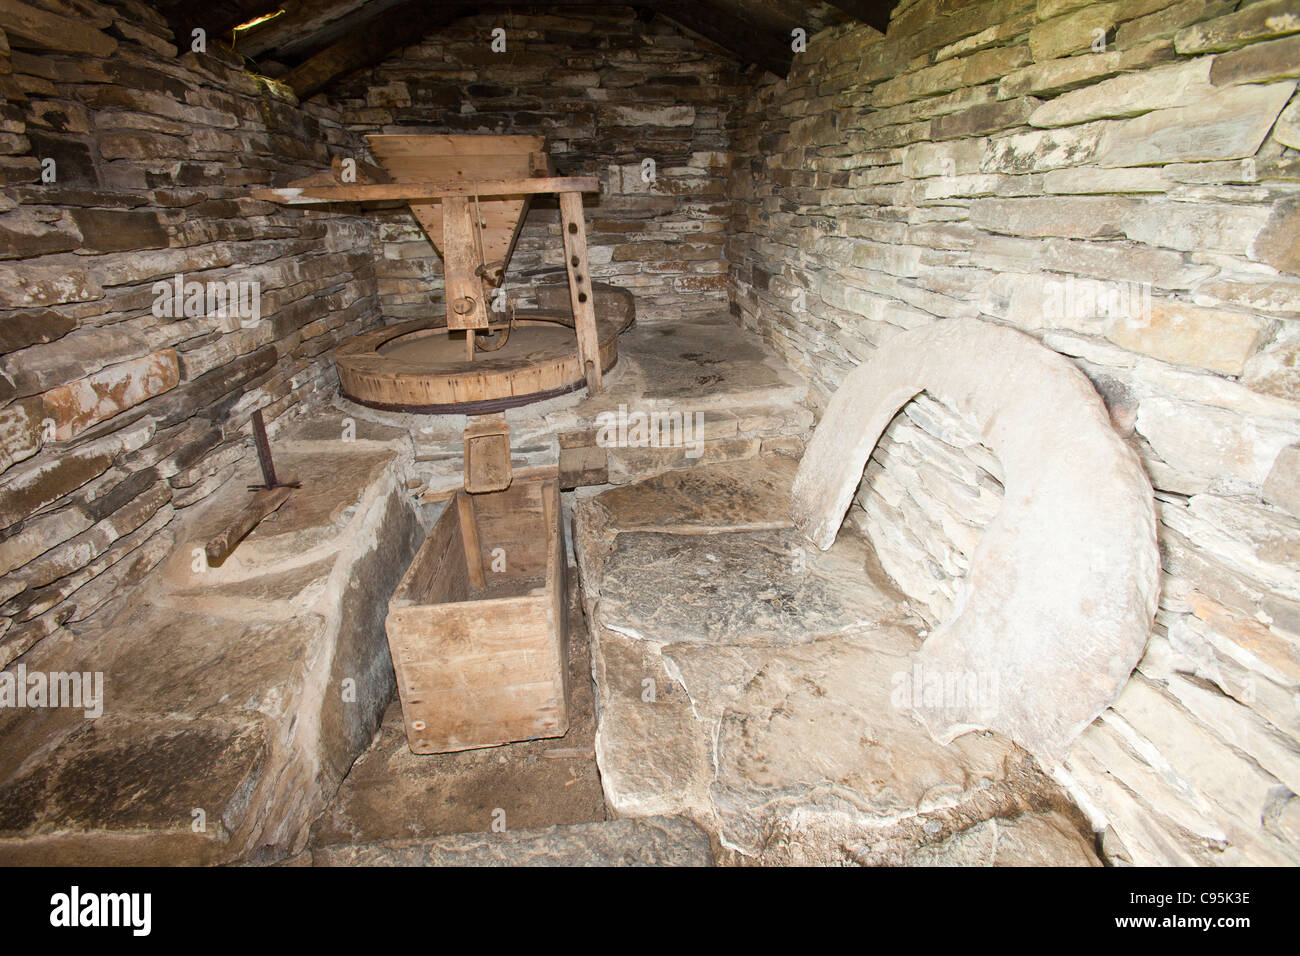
{"x": 649, "y": 841}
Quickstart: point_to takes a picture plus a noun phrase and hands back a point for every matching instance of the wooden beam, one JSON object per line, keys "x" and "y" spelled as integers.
{"x": 302, "y": 195}
{"x": 743, "y": 39}
{"x": 460, "y": 262}
{"x": 218, "y": 19}
{"x": 469, "y": 539}
{"x": 574, "y": 229}
{"x": 371, "y": 42}
{"x": 874, "y": 13}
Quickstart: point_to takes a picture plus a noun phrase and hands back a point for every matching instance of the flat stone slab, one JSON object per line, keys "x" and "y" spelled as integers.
{"x": 771, "y": 699}
{"x": 729, "y": 496}
{"x": 650, "y": 841}
{"x": 234, "y": 698}
{"x": 740, "y": 587}
{"x": 135, "y": 783}
{"x": 685, "y": 362}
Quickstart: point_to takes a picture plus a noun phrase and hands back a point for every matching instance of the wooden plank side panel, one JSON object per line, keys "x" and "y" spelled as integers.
{"x": 557, "y": 590}
{"x": 438, "y": 574}
{"x": 479, "y": 673}
{"x": 487, "y": 454}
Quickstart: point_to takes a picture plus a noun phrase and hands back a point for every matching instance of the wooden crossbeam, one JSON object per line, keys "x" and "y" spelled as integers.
{"x": 303, "y": 195}
{"x": 746, "y": 40}
{"x": 874, "y": 13}
{"x": 371, "y": 41}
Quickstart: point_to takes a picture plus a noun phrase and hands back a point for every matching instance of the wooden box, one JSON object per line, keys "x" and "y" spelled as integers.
{"x": 478, "y": 626}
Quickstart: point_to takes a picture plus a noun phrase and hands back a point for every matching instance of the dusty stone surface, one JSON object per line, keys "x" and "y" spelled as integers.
{"x": 743, "y": 395}
{"x": 733, "y": 496}
{"x": 738, "y": 587}
{"x": 243, "y": 692}
{"x": 776, "y": 711}
{"x": 1062, "y": 588}
{"x": 649, "y": 841}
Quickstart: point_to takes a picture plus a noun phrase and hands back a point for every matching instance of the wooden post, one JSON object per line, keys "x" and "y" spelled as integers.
{"x": 487, "y": 454}
{"x": 574, "y": 230}
{"x": 469, "y": 539}
{"x": 460, "y": 261}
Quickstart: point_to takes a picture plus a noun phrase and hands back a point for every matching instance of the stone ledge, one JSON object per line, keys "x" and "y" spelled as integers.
{"x": 244, "y": 692}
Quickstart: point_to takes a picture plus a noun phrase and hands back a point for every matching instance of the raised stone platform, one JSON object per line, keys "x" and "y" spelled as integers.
{"x": 751, "y": 403}
{"x": 764, "y": 701}
{"x": 235, "y": 698}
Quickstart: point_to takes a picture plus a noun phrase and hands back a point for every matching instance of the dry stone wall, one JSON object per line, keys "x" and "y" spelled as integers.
{"x": 126, "y": 162}
{"x": 640, "y": 105}
{"x": 1120, "y": 179}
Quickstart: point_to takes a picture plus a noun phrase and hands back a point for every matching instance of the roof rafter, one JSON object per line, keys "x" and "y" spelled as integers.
{"x": 374, "y": 39}
{"x": 874, "y": 13}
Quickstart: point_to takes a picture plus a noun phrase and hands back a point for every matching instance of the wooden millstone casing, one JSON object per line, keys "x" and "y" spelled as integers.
{"x": 490, "y": 383}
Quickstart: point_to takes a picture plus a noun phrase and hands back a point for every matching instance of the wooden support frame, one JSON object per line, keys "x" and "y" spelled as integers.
{"x": 443, "y": 207}
{"x": 573, "y": 227}
{"x": 460, "y": 255}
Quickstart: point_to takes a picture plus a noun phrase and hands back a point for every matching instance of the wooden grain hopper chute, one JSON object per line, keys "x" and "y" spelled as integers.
{"x": 470, "y": 194}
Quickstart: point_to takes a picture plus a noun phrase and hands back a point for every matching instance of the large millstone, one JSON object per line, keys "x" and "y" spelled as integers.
{"x": 1058, "y": 603}
{"x": 753, "y": 685}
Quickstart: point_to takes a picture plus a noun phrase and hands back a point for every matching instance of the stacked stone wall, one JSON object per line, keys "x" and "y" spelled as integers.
{"x": 125, "y": 163}
{"x": 1120, "y": 180}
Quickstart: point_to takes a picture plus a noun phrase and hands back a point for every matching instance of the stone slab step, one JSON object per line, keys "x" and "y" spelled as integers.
{"x": 234, "y": 699}
{"x": 648, "y": 841}
{"x": 772, "y": 697}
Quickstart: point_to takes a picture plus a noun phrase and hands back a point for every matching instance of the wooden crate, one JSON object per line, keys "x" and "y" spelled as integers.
{"x": 478, "y": 626}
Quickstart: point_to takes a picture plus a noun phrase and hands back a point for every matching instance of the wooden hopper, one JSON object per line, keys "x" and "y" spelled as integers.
{"x": 470, "y": 194}
{"x": 474, "y": 259}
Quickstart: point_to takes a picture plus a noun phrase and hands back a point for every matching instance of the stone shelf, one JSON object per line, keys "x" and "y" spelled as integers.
{"x": 235, "y": 698}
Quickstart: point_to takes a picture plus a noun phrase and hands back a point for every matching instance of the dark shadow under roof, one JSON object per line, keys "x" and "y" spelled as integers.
{"x": 312, "y": 42}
